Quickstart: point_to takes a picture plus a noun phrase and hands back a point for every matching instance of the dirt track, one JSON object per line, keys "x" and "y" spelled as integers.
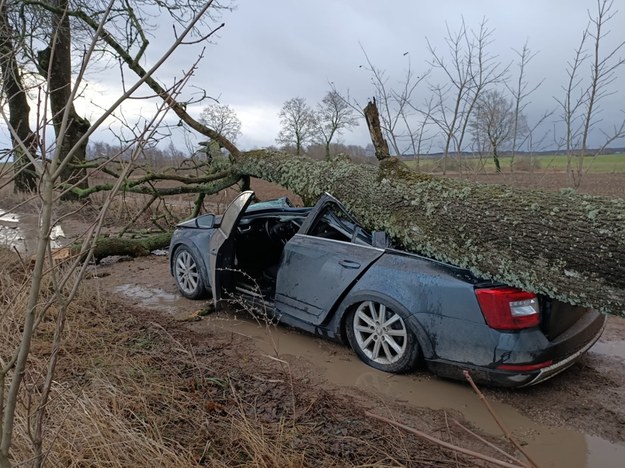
{"x": 576, "y": 419}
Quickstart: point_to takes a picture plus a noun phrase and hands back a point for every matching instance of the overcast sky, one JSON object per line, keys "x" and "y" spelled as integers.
{"x": 272, "y": 50}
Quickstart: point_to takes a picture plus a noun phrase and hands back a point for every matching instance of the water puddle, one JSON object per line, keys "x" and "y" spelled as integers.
{"x": 154, "y": 298}
{"x": 610, "y": 348}
{"x": 19, "y": 231}
{"x": 549, "y": 446}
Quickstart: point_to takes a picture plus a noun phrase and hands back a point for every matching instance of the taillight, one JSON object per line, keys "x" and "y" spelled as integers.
{"x": 509, "y": 308}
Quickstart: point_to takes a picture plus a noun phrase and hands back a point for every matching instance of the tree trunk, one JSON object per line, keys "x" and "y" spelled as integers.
{"x": 59, "y": 73}
{"x": 132, "y": 247}
{"x": 570, "y": 247}
{"x": 372, "y": 116}
{"x": 496, "y": 159}
{"x": 22, "y": 138}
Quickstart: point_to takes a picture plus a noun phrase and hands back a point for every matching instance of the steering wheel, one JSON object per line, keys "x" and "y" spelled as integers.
{"x": 279, "y": 232}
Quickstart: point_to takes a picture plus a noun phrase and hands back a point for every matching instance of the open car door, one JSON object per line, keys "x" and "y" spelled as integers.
{"x": 221, "y": 245}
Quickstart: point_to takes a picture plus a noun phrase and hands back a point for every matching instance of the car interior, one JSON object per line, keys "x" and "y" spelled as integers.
{"x": 259, "y": 243}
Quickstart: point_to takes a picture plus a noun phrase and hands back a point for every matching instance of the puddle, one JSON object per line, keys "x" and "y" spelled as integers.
{"x": 9, "y": 217}
{"x": 549, "y": 446}
{"x": 610, "y": 348}
{"x": 154, "y": 298}
{"x": 19, "y": 231}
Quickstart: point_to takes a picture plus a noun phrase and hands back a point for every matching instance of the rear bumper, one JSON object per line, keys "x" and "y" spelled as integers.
{"x": 563, "y": 352}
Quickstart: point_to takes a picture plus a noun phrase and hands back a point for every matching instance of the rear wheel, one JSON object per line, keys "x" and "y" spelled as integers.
{"x": 382, "y": 337}
{"x": 188, "y": 275}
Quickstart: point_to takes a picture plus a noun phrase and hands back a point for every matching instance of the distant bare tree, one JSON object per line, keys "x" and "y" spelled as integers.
{"x": 298, "y": 123}
{"x": 401, "y": 118}
{"x": 520, "y": 93}
{"x": 223, "y": 119}
{"x": 581, "y": 103}
{"x": 469, "y": 69}
{"x": 334, "y": 114}
{"x": 494, "y": 123}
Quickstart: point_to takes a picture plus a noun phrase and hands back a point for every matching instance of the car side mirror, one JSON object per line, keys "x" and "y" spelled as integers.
{"x": 205, "y": 221}
{"x": 379, "y": 239}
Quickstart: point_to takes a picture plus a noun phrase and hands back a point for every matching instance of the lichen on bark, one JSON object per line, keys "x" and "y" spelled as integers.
{"x": 568, "y": 246}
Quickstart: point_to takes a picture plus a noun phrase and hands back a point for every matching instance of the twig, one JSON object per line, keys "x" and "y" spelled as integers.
{"x": 486, "y": 442}
{"x": 442, "y": 443}
{"x": 503, "y": 428}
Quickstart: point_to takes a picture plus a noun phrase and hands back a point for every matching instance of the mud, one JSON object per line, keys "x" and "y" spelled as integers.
{"x": 575, "y": 420}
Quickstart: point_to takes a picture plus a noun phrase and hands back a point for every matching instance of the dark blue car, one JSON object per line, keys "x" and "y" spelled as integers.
{"x": 318, "y": 270}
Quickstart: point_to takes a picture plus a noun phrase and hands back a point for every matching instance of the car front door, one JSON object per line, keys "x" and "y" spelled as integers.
{"x": 221, "y": 245}
{"x": 321, "y": 262}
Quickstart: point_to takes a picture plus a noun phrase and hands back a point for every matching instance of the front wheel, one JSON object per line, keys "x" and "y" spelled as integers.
{"x": 188, "y": 274}
{"x": 382, "y": 337}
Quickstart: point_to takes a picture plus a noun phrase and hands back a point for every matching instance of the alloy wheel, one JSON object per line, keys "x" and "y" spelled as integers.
{"x": 380, "y": 333}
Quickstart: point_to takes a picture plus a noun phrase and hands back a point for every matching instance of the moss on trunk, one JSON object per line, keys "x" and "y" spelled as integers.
{"x": 138, "y": 246}
{"x": 565, "y": 245}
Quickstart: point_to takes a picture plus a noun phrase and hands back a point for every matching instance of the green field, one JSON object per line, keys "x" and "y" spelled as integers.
{"x": 602, "y": 164}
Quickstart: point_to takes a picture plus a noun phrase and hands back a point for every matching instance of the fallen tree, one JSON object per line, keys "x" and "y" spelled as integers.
{"x": 565, "y": 245}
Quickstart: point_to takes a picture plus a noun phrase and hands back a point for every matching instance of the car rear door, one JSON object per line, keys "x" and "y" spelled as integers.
{"x": 221, "y": 245}
{"x": 316, "y": 271}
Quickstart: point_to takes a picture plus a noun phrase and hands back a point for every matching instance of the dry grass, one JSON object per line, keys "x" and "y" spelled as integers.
{"x": 129, "y": 392}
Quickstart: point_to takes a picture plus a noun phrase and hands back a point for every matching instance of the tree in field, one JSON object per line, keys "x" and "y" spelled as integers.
{"x": 403, "y": 122}
{"x": 583, "y": 94}
{"x": 298, "y": 124}
{"x": 495, "y": 123}
{"x": 468, "y": 69}
{"x": 223, "y": 119}
{"x": 65, "y": 26}
{"x": 521, "y": 91}
{"x": 334, "y": 115}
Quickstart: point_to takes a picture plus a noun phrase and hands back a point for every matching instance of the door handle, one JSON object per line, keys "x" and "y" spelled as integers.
{"x": 349, "y": 264}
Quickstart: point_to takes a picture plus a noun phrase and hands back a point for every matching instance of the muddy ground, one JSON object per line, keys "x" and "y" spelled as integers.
{"x": 575, "y": 419}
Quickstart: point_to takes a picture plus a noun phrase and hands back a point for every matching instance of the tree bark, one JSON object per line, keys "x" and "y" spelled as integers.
{"x": 570, "y": 247}
{"x": 372, "y": 116}
{"x": 132, "y": 247}
{"x": 22, "y": 138}
{"x": 56, "y": 63}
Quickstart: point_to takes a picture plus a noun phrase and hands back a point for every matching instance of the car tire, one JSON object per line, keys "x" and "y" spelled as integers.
{"x": 382, "y": 336}
{"x": 188, "y": 274}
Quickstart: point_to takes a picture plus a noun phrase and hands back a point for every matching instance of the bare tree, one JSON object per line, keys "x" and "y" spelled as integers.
{"x": 299, "y": 124}
{"x": 583, "y": 95}
{"x": 334, "y": 115}
{"x": 55, "y": 64}
{"x": 469, "y": 69}
{"x": 494, "y": 123}
{"x": 223, "y": 119}
{"x": 51, "y": 284}
{"x": 520, "y": 93}
{"x": 401, "y": 119}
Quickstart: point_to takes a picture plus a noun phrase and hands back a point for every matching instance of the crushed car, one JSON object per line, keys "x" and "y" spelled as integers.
{"x": 319, "y": 270}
